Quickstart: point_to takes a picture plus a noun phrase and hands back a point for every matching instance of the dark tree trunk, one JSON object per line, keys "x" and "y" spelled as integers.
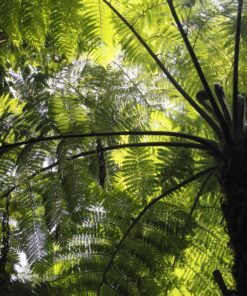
{"x": 234, "y": 185}
{"x": 4, "y": 275}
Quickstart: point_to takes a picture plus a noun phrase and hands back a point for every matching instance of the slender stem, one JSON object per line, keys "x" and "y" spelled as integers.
{"x": 115, "y": 147}
{"x": 196, "y": 200}
{"x": 221, "y": 283}
{"x": 218, "y": 89}
{"x": 8, "y": 192}
{"x": 133, "y": 83}
{"x": 143, "y": 144}
{"x": 235, "y": 67}
{"x": 201, "y": 75}
{"x": 207, "y": 143}
{"x": 76, "y": 90}
{"x": 136, "y": 220}
{"x": 102, "y": 176}
{"x": 207, "y": 118}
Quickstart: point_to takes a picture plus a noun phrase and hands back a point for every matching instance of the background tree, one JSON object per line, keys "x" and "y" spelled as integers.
{"x": 105, "y": 223}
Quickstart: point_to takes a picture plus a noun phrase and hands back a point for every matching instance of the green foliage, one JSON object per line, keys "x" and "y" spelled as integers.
{"x": 69, "y": 226}
{"x": 82, "y": 236}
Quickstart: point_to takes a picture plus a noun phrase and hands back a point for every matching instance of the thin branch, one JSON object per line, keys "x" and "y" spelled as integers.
{"x": 102, "y": 175}
{"x": 136, "y": 220}
{"x": 201, "y": 27}
{"x": 200, "y": 73}
{"x": 143, "y": 13}
{"x": 133, "y": 83}
{"x": 218, "y": 89}
{"x": 221, "y": 283}
{"x": 143, "y": 144}
{"x": 8, "y": 192}
{"x": 76, "y": 90}
{"x": 114, "y": 147}
{"x": 196, "y": 200}
{"x": 211, "y": 145}
{"x": 207, "y": 118}
{"x": 198, "y": 274}
{"x": 235, "y": 67}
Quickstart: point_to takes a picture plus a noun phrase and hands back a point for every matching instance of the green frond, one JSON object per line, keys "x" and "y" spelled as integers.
{"x": 137, "y": 174}
{"x": 34, "y": 22}
{"x": 68, "y": 114}
{"x": 10, "y": 18}
{"x": 30, "y": 229}
{"x": 66, "y": 25}
{"x": 96, "y": 27}
{"x": 110, "y": 222}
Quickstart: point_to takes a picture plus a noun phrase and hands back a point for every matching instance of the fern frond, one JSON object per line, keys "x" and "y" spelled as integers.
{"x": 65, "y": 26}
{"x": 10, "y": 18}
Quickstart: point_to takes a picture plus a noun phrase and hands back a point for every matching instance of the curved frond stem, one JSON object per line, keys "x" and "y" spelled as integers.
{"x": 223, "y": 104}
{"x": 235, "y": 67}
{"x": 181, "y": 293}
{"x": 114, "y": 147}
{"x": 211, "y": 145}
{"x": 140, "y": 215}
{"x": 112, "y": 288}
{"x": 193, "y": 207}
{"x": 203, "y": 252}
{"x": 8, "y": 192}
{"x": 199, "y": 275}
{"x": 179, "y": 88}
{"x": 221, "y": 283}
{"x": 143, "y": 144}
{"x": 200, "y": 73}
{"x": 133, "y": 83}
{"x": 44, "y": 169}
{"x": 76, "y": 90}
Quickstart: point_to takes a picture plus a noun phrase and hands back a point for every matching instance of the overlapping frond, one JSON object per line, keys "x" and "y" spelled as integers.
{"x": 66, "y": 25}
{"x": 75, "y": 229}
{"x": 144, "y": 265}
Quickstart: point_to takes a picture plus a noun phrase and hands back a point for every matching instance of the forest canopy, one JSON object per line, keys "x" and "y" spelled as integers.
{"x": 123, "y": 147}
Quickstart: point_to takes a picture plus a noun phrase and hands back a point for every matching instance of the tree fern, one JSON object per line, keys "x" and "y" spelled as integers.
{"x": 77, "y": 196}
{"x": 102, "y": 203}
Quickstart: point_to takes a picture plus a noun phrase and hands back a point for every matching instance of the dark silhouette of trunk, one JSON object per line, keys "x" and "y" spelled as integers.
{"x": 4, "y": 274}
{"x": 234, "y": 185}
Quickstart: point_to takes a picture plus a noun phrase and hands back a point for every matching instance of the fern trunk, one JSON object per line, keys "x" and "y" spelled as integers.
{"x": 234, "y": 185}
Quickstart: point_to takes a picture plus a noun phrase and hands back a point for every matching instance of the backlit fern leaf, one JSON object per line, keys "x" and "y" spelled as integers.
{"x": 207, "y": 246}
{"x": 54, "y": 209}
{"x": 137, "y": 173}
{"x": 10, "y": 17}
{"x": 68, "y": 114}
{"x": 7, "y": 168}
{"x": 66, "y": 22}
{"x": 31, "y": 159}
{"x": 96, "y": 27}
{"x": 34, "y": 22}
{"x": 30, "y": 230}
{"x": 134, "y": 270}
{"x": 75, "y": 233}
